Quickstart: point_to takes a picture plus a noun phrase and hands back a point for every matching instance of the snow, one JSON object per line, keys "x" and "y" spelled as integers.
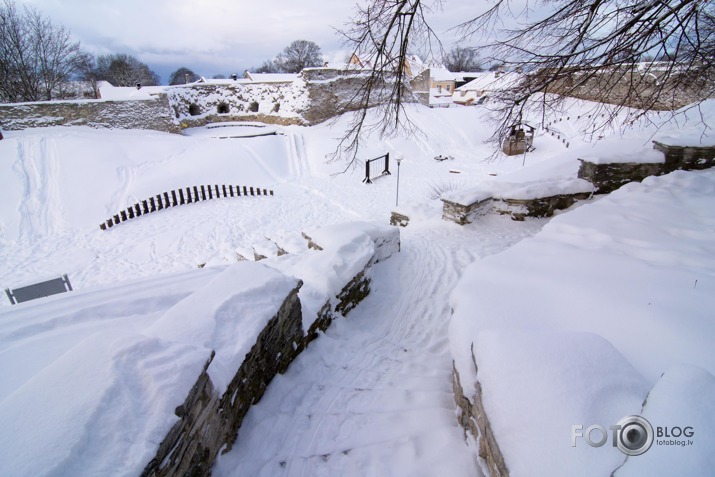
{"x": 372, "y": 395}
{"x": 684, "y": 397}
{"x": 639, "y": 259}
{"x": 531, "y": 404}
{"x": 519, "y": 190}
{"x": 226, "y": 316}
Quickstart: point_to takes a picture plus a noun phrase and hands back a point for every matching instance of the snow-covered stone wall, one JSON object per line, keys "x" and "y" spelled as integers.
{"x": 153, "y": 113}
{"x": 276, "y": 103}
{"x": 520, "y": 200}
{"x": 608, "y": 174}
{"x": 334, "y": 277}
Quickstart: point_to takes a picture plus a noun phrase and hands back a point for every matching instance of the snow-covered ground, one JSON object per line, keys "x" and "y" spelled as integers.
{"x": 370, "y": 397}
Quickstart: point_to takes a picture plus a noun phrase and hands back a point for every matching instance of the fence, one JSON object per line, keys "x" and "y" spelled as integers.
{"x": 177, "y": 197}
{"x": 385, "y": 171}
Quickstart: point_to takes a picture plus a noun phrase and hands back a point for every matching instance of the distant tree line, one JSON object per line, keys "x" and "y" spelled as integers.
{"x": 38, "y": 57}
{"x": 294, "y": 58}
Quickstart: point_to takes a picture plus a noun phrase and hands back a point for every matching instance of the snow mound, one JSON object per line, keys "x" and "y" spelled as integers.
{"x": 103, "y": 371}
{"x": 519, "y": 190}
{"x": 684, "y": 397}
{"x": 537, "y": 384}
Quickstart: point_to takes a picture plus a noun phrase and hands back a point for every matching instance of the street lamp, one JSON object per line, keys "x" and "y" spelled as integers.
{"x": 398, "y": 159}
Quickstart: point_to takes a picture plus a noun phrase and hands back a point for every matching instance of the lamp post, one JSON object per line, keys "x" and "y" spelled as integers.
{"x": 398, "y": 159}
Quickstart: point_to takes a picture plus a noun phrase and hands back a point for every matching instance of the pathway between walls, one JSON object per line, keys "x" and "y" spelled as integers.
{"x": 373, "y": 396}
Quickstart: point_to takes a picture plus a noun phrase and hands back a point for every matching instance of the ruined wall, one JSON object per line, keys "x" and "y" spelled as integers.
{"x": 332, "y": 92}
{"x": 152, "y": 114}
{"x": 210, "y": 423}
{"x": 318, "y": 95}
{"x": 473, "y": 418}
{"x": 275, "y": 103}
{"x": 610, "y": 176}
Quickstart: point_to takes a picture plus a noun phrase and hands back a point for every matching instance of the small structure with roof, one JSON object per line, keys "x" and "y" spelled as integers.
{"x": 519, "y": 140}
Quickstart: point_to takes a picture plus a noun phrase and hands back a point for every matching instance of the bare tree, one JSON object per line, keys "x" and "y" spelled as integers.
{"x": 383, "y": 31}
{"x": 298, "y": 55}
{"x": 462, "y": 59}
{"x": 121, "y": 69}
{"x": 571, "y": 47}
{"x": 182, "y": 76}
{"x": 36, "y": 56}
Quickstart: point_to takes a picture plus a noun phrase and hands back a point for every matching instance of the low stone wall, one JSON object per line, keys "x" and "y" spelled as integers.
{"x": 399, "y": 219}
{"x": 611, "y": 176}
{"x": 465, "y": 214}
{"x": 210, "y": 423}
{"x": 473, "y": 418}
{"x": 686, "y": 157}
{"x": 154, "y": 114}
{"x": 518, "y": 209}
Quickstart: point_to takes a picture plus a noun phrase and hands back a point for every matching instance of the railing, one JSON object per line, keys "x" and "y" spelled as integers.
{"x": 385, "y": 168}
{"x": 183, "y": 196}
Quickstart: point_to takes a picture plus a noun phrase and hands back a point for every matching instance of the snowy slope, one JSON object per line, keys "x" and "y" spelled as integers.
{"x": 372, "y": 396}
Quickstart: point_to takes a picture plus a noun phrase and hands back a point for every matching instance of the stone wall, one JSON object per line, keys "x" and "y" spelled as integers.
{"x": 318, "y": 95}
{"x": 473, "y": 418}
{"x": 200, "y": 103}
{"x": 518, "y": 209}
{"x": 152, "y": 114}
{"x": 465, "y": 214}
{"x": 609, "y": 177}
{"x": 632, "y": 90}
{"x": 332, "y": 92}
{"x": 210, "y": 423}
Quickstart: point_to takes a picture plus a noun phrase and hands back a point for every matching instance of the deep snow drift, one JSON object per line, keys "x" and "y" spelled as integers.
{"x": 373, "y": 395}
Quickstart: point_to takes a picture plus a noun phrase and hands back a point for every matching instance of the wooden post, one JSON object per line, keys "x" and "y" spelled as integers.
{"x": 203, "y": 193}
{"x": 145, "y": 206}
{"x": 230, "y": 189}
{"x": 103, "y": 226}
{"x": 258, "y": 191}
{"x": 160, "y": 205}
{"x": 196, "y": 194}
{"x": 123, "y": 215}
{"x": 252, "y": 191}
{"x": 110, "y": 223}
{"x": 130, "y": 212}
{"x": 174, "y": 202}
{"x": 116, "y": 219}
{"x": 181, "y": 197}
{"x": 152, "y": 205}
{"x": 218, "y": 194}
{"x": 244, "y": 191}
{"x": 137, "y": 210}
{"x": 224, "y": 190}
{"x": 271, "y": 192}
{"x": 210, "y": 195}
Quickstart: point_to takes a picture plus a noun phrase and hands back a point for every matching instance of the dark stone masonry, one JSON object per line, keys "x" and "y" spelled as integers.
{"x": 611, "y": 176}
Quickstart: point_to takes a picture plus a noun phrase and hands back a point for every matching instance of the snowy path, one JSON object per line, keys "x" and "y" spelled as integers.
{"x": 373, "y": 396}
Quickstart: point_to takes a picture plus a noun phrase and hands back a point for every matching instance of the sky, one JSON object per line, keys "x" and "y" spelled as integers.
{"x": 215, "y": 36}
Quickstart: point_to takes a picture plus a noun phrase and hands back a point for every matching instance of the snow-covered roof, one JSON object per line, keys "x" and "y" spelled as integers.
{"x": 109, "y": 91}
{"x": 440, "y": 73}
{"x": 271, "y": 77}
{"x": 490, "y": 81}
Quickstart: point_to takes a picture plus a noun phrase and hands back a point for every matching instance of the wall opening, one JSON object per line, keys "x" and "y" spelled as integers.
{"x": 194, "y": 109}
{"x": 222, "y": 108}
